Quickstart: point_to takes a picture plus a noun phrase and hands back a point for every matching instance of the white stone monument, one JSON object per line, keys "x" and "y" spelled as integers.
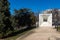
{"x": 45, "y": 20}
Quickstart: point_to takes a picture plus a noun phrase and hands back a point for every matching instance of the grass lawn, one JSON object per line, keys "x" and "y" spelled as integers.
{"x": 58, "y": 28}
{"x": 18, "y": 35}
{"x": 15, "y": 37}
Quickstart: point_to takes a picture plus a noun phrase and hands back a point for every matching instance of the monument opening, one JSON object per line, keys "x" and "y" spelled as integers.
{"x": 45, "y": 20}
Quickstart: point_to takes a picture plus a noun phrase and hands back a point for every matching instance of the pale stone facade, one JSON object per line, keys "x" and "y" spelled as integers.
{"x": 45, "y": 20}
{"x": 50, "y": 19}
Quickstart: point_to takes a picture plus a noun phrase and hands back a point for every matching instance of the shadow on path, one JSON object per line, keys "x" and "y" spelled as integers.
{"x": 27, "y": 34}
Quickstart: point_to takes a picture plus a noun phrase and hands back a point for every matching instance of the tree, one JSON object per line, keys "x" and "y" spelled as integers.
{"x": 56, "y": 18}
{"x": 4, "y": 7}
{"x": 25, "y": 17}
{"x": 5, "y": 16}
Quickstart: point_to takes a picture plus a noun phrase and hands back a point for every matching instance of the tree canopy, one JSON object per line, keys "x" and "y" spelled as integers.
{"x": 25, "y": 17}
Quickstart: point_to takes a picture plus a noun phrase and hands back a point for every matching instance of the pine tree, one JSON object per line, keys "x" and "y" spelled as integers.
{"x": 4, "y": 7}
{"x": 5, "y": 16}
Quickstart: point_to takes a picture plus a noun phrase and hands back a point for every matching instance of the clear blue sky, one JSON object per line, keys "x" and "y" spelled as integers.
{"x": 35, "y": 5}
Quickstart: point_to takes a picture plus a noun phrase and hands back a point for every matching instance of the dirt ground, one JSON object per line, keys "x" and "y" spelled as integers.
{"x": 41, "y": 33}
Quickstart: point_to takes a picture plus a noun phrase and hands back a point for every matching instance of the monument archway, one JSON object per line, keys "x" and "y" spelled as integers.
{"x": 45, "y": 20}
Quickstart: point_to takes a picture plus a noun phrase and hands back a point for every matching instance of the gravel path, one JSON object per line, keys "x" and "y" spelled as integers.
{"x": 41, "y": 33}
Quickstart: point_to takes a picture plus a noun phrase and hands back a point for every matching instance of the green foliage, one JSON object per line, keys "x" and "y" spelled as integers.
{"x": 25, "y": 17}
{"x": 5, "y": 23}
{"x": 9, "y": 23}
{"x": 56, "y": 18}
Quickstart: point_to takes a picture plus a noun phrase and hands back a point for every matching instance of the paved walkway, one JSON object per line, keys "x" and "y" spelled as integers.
{"x": 46, "y": 24}
{"x": 43, "y": 33}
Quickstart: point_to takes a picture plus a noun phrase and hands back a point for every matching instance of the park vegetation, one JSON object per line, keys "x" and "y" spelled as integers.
{"x": 56, "y": 18}
{"x": 21, "y": 19}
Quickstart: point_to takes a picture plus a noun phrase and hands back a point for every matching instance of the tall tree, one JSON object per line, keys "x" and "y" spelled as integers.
{"x": 4, "y": 7}
{"x": 5, "y": 15}
{"x": 25, "y": 17}
{"x": 55, "y": 17}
